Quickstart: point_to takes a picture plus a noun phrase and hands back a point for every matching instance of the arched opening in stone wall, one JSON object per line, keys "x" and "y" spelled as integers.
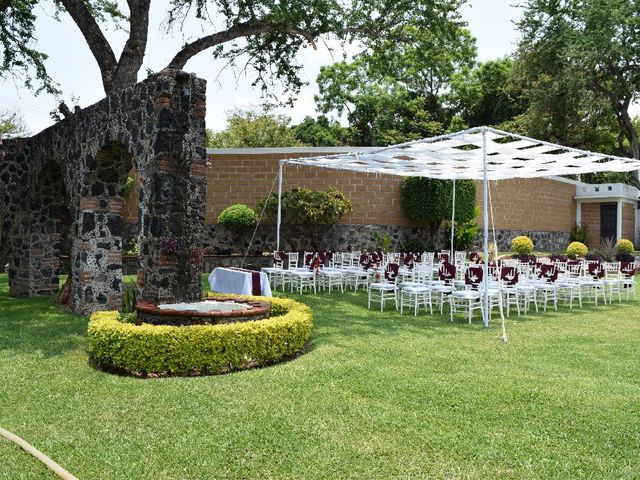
{"x": 50, "y": 230}
{"x": 97, "y": 250}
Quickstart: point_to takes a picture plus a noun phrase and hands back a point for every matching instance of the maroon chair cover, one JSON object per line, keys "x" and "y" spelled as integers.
{"x": 408, "y": 260}
{"x": 373, "y": 258}
{"x": 596, "y": 270}
{"x": 627, "y": 269}
{"x": 315, "y": 264}
{"x": 509, "y": 276}
{"x": 391, "y": 272}
{"x": 548, "y": 272}
{"x": 443, "y": 257}
{"x": 365, "y": 261}
{"x": 447, "y": 272}
{"x": 474, "y": 257}
{"x": 417, "y": 257}
{"x": 473, "y": 276}
{"x": 308, "y": 259}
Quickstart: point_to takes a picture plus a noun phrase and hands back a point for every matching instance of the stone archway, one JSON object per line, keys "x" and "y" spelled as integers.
{"x": 157, "y": 125}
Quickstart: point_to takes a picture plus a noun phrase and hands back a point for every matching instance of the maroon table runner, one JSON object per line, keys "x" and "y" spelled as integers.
{"x": 256, "y": 289}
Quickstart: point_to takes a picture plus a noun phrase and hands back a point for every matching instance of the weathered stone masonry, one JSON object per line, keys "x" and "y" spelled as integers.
{"x": 77, "y": 170}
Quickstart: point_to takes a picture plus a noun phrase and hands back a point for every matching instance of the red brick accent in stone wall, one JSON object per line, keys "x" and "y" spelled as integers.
{"x": 88, "y": 203}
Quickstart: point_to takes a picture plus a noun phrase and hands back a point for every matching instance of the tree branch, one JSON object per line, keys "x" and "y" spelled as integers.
{"x": 132, "y": 56}
{"x": 237, "y": 31}
{"x": 94, "y": 37}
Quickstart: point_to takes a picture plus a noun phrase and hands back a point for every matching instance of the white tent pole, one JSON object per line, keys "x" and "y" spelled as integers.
{"x": 485, "y": 204}
{"x": 453, "y": 216}
{"x": 279, "y": 207}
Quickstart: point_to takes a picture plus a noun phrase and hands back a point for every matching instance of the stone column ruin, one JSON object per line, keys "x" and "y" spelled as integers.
{"x": 70, "y": 179}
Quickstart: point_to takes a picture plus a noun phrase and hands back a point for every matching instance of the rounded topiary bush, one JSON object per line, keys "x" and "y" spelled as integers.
{"x": 577, "y": 249}
{"x": 237, "y": 216}
{"x": 624, "y": 246}
{"x": 522, "y": 245}
{"x": 199, "y": 349}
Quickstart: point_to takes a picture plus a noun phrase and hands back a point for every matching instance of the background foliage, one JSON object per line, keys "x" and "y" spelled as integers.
{"x": 430, "y": 199}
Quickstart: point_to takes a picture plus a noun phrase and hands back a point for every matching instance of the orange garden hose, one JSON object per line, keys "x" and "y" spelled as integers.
{"x": 57, "y": 469}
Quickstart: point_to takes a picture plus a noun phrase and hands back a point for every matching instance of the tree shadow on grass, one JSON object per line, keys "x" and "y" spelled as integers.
{"x": 38, "y": 325}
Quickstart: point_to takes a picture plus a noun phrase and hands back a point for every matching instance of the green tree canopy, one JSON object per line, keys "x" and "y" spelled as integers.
{"x": 253, "y": 128}
{"x": 582, "y": 61}
{"x": 487, "y": 94}
{"x": 321, "y": 132}
{"x": 12, "y": 125}
{"x": 393, "y": 91}
{"x": 261, "y": 36}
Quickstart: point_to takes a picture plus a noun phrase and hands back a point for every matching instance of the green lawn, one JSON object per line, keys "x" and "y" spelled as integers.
{"x": 377, "y": 396}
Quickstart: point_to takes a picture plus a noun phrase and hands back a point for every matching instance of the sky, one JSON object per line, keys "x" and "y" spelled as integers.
{"x": 70, "y": 63}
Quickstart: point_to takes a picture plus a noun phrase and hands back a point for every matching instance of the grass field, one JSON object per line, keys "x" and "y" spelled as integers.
{"x": 377, "y": 396}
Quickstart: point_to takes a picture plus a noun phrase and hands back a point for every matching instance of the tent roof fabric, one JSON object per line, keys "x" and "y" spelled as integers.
{"x": 460, "y": 155}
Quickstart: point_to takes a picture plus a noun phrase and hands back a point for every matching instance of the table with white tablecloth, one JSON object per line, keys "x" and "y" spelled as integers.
{"x": 231, "y": 280}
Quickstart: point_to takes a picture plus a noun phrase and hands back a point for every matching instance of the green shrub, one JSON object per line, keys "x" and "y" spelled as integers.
{"x": 429, "y": 199}
{"x": 129, "y": 298}
{"x": 522, "y": 245}
{"x": 314, "y": 209}
{"x": 607, "y": 249}
{"x": 199, "y": 349}
{"x": 624, "y": 246}
{"x": 577, "y": 249}
{"x": 579, "y": 234}
{"x": 237, "y": 216}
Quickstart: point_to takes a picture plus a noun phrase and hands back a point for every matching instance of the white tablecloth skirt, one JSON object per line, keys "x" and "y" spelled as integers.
{"x": 225, "y": 280}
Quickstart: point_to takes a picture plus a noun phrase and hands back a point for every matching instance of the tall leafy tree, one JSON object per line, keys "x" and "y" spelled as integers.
{"x": 486, "y": 95}
{"x": 321, "y": 132}
{"x": 253, "y": 128}
{"x": 392, "y": 91}
{"x": 264, "y": 35}
{"x": 12, "y": 124}
{"x": 584, "y": 53}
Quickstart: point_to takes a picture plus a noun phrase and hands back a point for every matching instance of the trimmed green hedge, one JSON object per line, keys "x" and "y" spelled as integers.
{"x": 200, "y": 349}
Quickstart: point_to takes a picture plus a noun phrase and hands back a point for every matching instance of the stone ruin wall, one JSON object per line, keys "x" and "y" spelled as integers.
{"x": 69, "y": 181}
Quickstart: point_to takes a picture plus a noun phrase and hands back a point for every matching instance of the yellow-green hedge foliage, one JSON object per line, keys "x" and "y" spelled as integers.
{"x": 624, "y": 246}
{"x": 577, "y": 249}
{"x": 200, "y": 349}
{"x": 522, "y": 245}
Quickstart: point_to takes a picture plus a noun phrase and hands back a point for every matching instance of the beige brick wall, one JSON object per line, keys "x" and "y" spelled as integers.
{"x": 248, "y": 178}
{"x": 628, "y": 221}
{"x": 536, "y": 204}
{"x": 590, "y": 217}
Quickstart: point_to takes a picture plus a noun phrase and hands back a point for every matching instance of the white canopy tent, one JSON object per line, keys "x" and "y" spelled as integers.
{"x": 480, "y": 153}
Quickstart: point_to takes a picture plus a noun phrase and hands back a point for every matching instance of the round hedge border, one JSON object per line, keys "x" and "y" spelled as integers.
{"x": 163, "y": 350}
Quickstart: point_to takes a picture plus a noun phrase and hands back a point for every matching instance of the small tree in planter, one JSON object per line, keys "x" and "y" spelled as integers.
{"x": 317, "y": 211}
{"x": 238, "y": 218}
